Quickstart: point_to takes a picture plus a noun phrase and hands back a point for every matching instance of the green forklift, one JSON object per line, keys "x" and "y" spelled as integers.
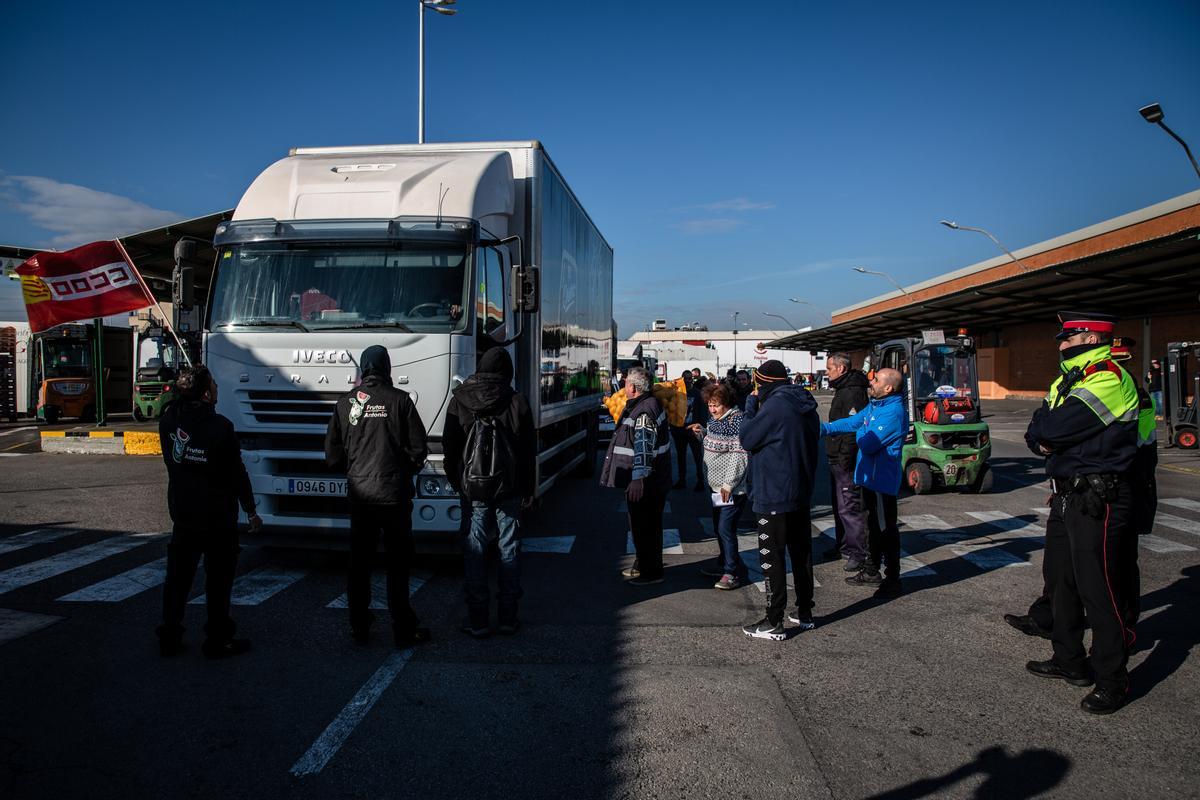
{"x": 948, "y": 443}
{"x": 158, "y": 365}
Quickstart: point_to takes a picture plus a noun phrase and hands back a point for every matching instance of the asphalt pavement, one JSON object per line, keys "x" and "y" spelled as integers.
{"x": 608, "y": 690}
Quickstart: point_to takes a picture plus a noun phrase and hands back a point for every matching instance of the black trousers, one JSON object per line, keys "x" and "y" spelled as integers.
{"x": 1088, "y": 550}
{"x": 685, "y": 441}
{"x": 645, "y": 525}
{"x": 367, "y": 522}
{"x": 883, "y": 532}
{"x": 778, "y": 532}
{"x": 220, "y": 551}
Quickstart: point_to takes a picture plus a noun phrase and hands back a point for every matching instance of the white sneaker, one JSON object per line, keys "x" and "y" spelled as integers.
{"x": 763, "y": 629}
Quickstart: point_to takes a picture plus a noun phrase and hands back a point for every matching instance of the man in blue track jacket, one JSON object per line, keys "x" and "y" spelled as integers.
{"x": 879, "y": 431}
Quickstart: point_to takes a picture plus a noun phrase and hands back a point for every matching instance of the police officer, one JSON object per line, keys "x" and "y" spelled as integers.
{"x": 206, "y": 481}
{"x": 377, "y": 440}
{"x": 1087, "y": 430}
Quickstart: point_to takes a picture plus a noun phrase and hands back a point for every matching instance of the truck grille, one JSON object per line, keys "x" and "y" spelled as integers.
{"x": 291, "y": 407}
{"x": 150, "y": 389}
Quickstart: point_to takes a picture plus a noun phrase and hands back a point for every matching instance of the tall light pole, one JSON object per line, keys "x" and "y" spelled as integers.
{"x": 865, "y": 271}
{"x": 440, "y": 7}
{"x": 782, "y": 317}
{"x": 735, "y": 333}
{"x": 954, "y": 226}
{"x": 1153, "y": 114}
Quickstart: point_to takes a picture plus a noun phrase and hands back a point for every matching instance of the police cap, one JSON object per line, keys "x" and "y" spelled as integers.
{"x": 1122, "y": 347}
{"x": 1074, "y": 322}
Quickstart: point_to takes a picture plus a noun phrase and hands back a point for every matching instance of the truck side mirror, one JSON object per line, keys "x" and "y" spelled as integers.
{"x": 183, "y": 289}
{"x": 185, "y": 250}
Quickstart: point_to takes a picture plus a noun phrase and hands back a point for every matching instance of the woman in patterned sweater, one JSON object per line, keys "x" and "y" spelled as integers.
{"x": 725, "y": 462}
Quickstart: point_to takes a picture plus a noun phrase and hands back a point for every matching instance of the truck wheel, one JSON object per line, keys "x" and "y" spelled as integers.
{"x": 52, "y": 415}
{"x": 982, "y": 484}
{"x": 920, "y": 477}
{"x": 1186, "y": 439}
{"x": 138, "y": 415}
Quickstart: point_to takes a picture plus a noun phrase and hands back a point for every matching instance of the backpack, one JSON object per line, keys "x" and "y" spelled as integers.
{"x": 489, "y": 462}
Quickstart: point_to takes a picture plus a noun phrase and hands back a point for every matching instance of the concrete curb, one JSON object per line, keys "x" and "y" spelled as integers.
{"x": 133, "y": 443}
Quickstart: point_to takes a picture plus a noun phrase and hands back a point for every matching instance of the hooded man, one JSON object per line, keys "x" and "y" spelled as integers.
{"x": 377, "y": 440}
{"x": 781, "y": 434}
{"x": 487, "y": 397}
{"x": 849, "y": 387}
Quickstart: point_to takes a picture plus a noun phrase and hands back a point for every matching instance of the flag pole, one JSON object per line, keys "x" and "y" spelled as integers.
{"x": 155, "y": 302}
{"x": 98, "y": 379}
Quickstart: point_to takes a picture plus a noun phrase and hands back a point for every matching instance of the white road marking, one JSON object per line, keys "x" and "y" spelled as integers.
{"x": 12, "y": 455}
{"x": 912, "y": 567}
{"x": 671, "y": 543}
{"x": 1157, "y": 544}
{"x": 15, "y": 624}
{"x": 30, "y": 538}
{"x": 1178, "y": 523}
{"x": 11, "y": 431}
{"x": 1016, "y": 526}
{"x": 379, "y": 590}
{"x": 1181, "y": 502}
{"x": 123, "y": 586}
{"x": 338, "y": 731}
{"x": 933, "y": 528}
{"x": 989, "y": 557}
{"x": 548, "y": 544}
{"x": 52, "y": 566}
{"x": 826, "y": 529}
{"x": 259, "y": 585}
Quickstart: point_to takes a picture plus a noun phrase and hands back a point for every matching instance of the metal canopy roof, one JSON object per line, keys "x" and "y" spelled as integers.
{"x": 153, "y": 252}
{"x": 1157, "y": 277}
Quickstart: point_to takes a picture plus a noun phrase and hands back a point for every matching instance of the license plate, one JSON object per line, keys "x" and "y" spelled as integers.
{"x": 950, "y": 470}
{"x": 318, "y": 486}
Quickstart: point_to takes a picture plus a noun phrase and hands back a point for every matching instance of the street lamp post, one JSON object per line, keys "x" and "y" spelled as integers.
{"x": 440, "y": 7}
{"x": 735, "y": 333}
{"x": 954, "y": 226}
{"x": 865, "y": 271}
{"x": 782, "y": 317}
{"x": 1153, "y": 114}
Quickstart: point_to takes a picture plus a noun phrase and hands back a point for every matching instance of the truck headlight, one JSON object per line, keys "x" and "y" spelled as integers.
{"x": 435, "y": 486}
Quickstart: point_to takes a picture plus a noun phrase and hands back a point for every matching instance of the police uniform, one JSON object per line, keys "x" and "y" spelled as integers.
{"x": 1088, "y": 430}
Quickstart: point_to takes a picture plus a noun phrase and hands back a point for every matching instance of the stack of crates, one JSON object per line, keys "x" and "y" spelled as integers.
{"x": 8, "y": 374}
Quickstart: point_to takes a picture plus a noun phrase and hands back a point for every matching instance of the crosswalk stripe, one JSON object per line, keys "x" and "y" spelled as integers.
{"x": 15, "y": 624}
{"x": 30, "y": 538}
{"x": 671, "y": 543}
{"x": 379, "y": 590}
{"x": 548, "y": 544}
{"x": 123, "y": 586}
{"x": 260, "y": 584}
{"x": 912, "y": 567}
{"x": 1181, "y": 502}
{"x": 1178, "y": 523}
{"x": 52, "y": 566}
{"x": 921, "y": 522}
{"x": 1159, "y": 545}
{"x": 1009, "y": 524}
{"x": 989, "y": 557}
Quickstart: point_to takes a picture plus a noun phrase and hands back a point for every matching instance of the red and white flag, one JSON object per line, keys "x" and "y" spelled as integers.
{"x": 91, "y": 281}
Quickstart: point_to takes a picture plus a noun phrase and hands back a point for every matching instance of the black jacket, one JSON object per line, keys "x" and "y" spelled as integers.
{"x": 849, "y": 397}
{"x": 377, "y": 440}
{"x": 489, "y": 394}
{"x": 206, "y": 479}
{"x": 781, "y": 437}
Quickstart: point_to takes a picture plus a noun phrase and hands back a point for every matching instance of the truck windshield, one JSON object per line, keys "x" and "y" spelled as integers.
{"x": 409, "y": 286}
{"x": 68, "y": 359}
{"x": 945, "y": 371}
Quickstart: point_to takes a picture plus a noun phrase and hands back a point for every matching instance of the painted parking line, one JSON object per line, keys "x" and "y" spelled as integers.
{"x": 1019, "y": 528}
{"x": 260, "y": 585}
{"x": 123, "y": 586}
{"x": 548, "y": 544}
{"x": 30, "y": 538}
{"x": 53, "y": 566}
{"x": 671, "y": 543}
{"x": 15, "y": 624}
{"x": 338, "y": 731}
{"x": 1178, "y": 523}
{"x": 379, "y": 590}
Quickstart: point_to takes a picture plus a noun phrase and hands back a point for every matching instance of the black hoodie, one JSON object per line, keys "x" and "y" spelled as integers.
{"x": 488, "y": 393}
{"x": 375, "y": 436}
{"x": 849, "y": 397}
{"x": 781, "y": 437}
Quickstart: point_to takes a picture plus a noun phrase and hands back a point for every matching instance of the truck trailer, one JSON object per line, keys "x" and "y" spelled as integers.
{"x": 438, "y": 252}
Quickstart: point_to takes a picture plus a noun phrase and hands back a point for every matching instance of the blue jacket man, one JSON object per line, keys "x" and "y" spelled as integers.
{"x": 879, "y": 431}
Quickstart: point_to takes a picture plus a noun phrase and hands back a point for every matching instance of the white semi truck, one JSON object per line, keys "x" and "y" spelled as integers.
{"x": 435, "y": 251}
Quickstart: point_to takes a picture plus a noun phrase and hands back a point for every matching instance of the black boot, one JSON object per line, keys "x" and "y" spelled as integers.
{"x": 1048, "y": 669}
{"x": 1026, "y": 625}
{"x": 1102, "y": 701}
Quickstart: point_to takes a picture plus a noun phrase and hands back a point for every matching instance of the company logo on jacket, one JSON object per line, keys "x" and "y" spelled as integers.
{"x": 180, "y": 452}
{"x": 359, "y": 409}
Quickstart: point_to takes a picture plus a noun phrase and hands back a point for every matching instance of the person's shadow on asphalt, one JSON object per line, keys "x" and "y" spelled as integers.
{"x": 1170, "y": 634}
{"x": 1027, "y": 774}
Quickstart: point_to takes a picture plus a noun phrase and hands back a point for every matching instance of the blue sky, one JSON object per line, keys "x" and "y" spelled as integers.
{"x": 733, "y": 159}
